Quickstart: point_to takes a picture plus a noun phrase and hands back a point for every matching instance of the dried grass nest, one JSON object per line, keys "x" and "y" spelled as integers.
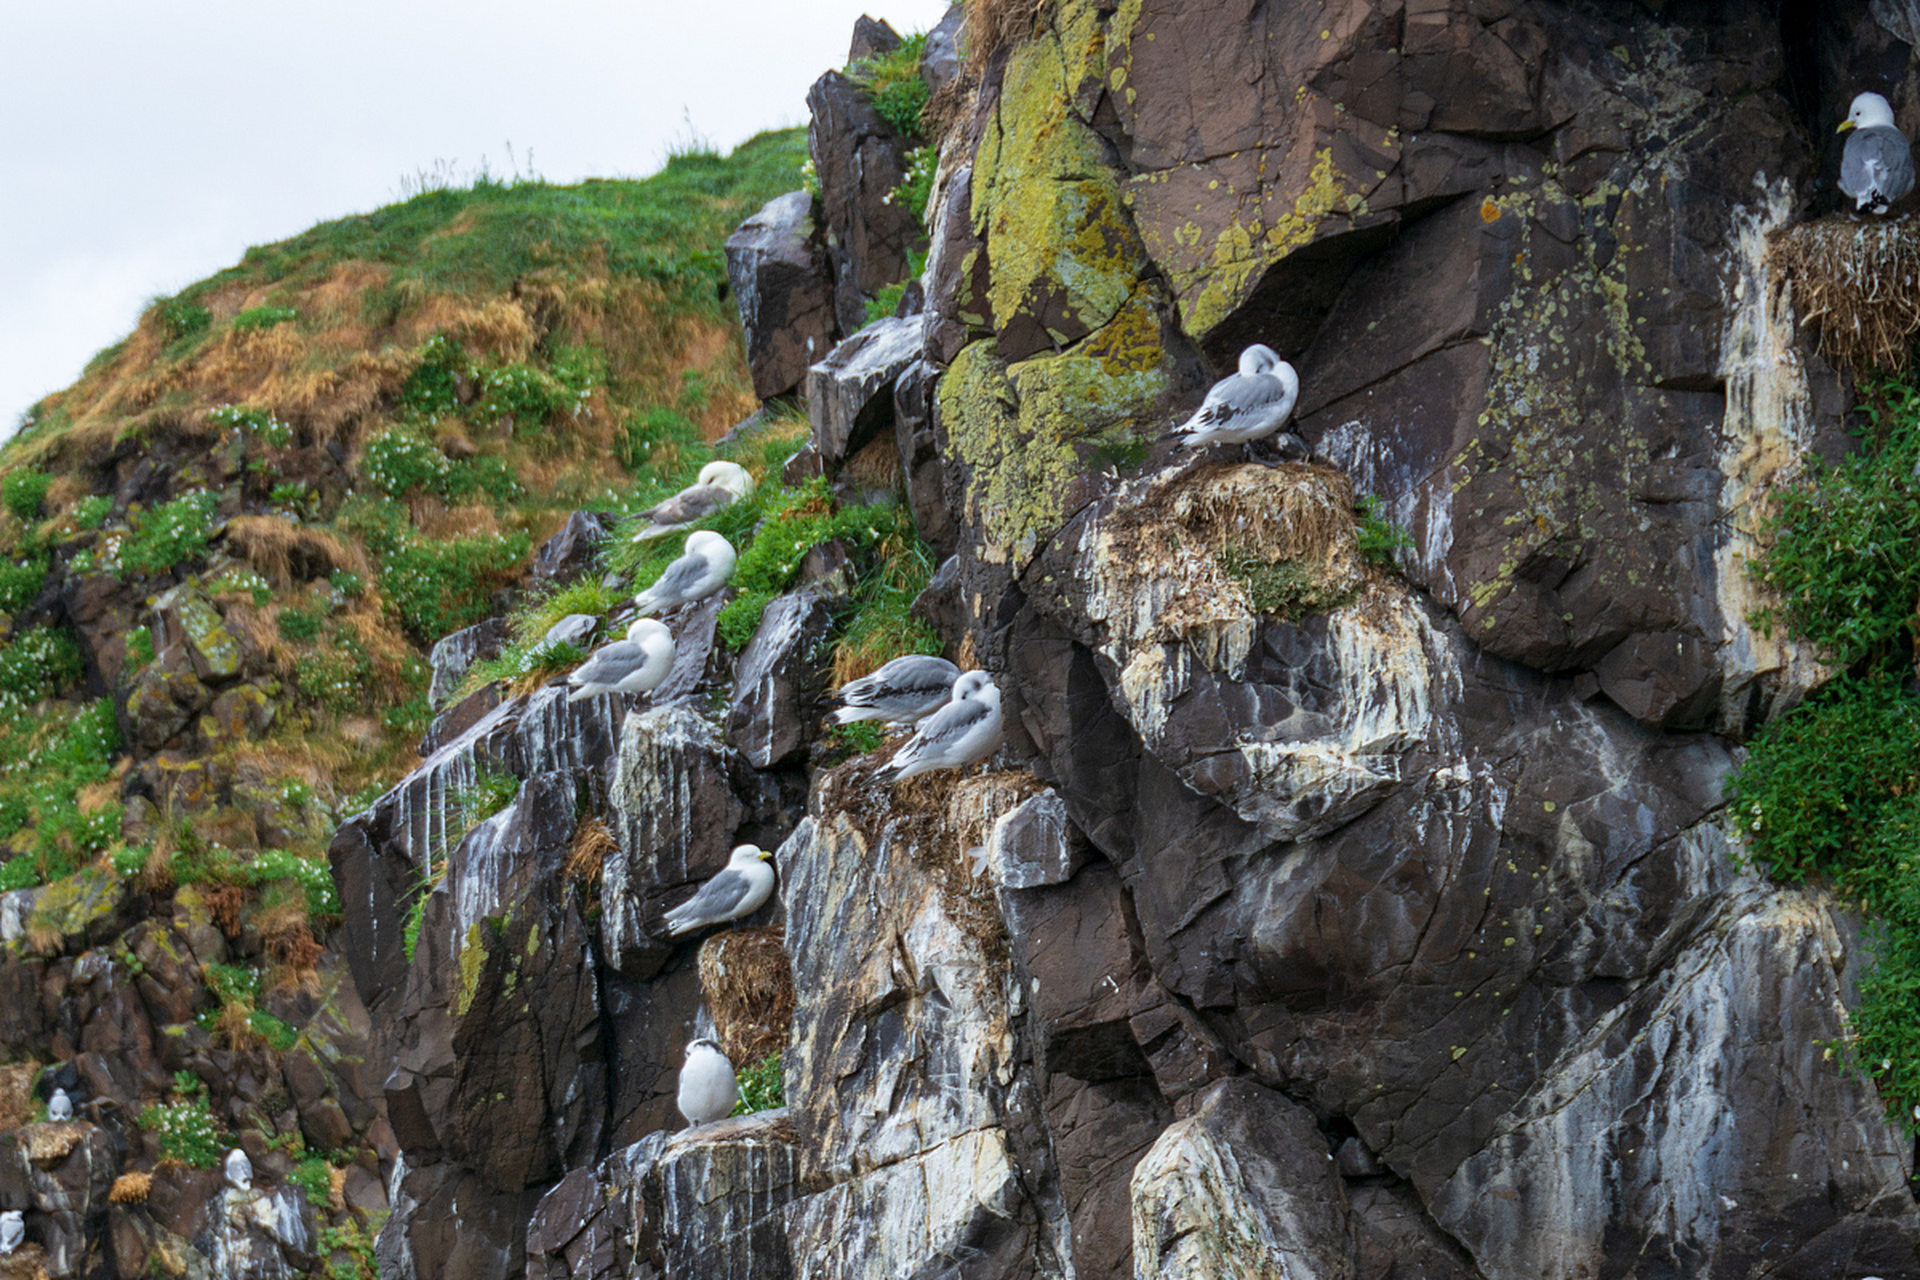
{"x": 1857, "y": 283}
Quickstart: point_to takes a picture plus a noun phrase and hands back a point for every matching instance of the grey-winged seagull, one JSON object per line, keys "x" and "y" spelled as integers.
{"x": 904, "y": 692}
{"x": 702, "y": 569}
{"x": 717, "y": 485}
{"x": 13, "y": 1229}
{"x": 961, "y": 733}
{"x": 633, "y": 665}
{"x": 1876, "y": 167}
{"x": 708, "y": 1089}
{"x": 239, "y": 1170}
{"x": 738, "y": 891}
{"x": 1247, "y": 406}
{"x": 60, "y": 1106}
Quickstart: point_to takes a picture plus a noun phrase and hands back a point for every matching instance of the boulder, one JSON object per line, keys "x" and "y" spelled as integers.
{"x": 573, "y": 551}
{"x": 777, "y": 266}
{"x": 850, "y": 393}
{"x": 778, "y": 679}
{"x": 452, "y": 655}
{"x": 859, "y": 160}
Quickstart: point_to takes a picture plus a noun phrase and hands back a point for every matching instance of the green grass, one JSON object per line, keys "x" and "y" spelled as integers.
{"x": 762, "y": 1086}
{"x": 892, "y": 83}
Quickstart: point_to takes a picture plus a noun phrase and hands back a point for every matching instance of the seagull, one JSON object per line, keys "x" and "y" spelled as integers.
{"x": 718, "y": 484}
{"x": 1250, "y": 405}
{"x": 13, "y": 1229}
{"x": 59, "y": 1106}
{"x": 700, "y": 571}
{"x": 1876, "y": 168}
{"x": 736, "y": 892}
{"x": 708, "y": 1089}
{"x": 904, "y": 692}
{"x": 633, "y": 665}
{"x": 239, "y": 1170}
{"x": 964, "y": 731}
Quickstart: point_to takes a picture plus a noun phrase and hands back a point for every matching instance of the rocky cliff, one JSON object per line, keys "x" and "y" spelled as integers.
{"x": 1339, "y": 904}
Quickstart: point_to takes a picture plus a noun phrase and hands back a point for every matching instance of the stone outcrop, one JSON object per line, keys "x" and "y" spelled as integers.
{"x": 778, "y": 268}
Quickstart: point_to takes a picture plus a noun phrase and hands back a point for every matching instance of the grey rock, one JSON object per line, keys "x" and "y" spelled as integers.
{"x": 574, "y": 629}
{"x": 850, "y": 393}
{"x": 778, "y": 269}
{"x": 778, "y": 679}
{"x": 940, "y": 61}
{"x": 573, "y": 551}
{"x": 859, "y": 160}
{"x": 453, "y": 655}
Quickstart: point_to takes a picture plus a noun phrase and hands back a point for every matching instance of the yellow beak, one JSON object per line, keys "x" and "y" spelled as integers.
{"x": 1844, "y": 126}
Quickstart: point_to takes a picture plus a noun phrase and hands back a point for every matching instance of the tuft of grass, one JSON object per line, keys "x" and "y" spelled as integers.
{"x": 257, "y": 318}
{"x": 23, "y": 491}
{"x": 1375, "y": 536}
{"x": 893, "y": 84}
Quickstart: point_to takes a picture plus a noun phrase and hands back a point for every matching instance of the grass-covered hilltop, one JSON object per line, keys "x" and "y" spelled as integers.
{"x": 230, "y": 546}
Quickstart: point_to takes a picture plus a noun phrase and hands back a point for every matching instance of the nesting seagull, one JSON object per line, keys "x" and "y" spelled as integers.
{"x": 717, "y": 485}
{"x": 702, "y": 569}
{"x": 633, "y": 665}
{"x": 737, "y": 892}
{"x": 239, "y": 1170}
{"x": 1250, "y": 405}
{"x": 708, "y": 1089}
{"x": 904, "y": 692}
{"x": 13, "y": 1229}
{"x": 59, "y": 1106}
{"x": 1876, "y": 168}
{"x": 964, "y": 731}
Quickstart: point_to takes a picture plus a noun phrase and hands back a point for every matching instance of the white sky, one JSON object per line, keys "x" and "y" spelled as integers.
{"x": 148, "y": 144}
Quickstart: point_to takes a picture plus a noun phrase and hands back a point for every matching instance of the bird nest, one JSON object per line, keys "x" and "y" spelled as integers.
{"x": 1857, "y": 284}
{"x": 748, "y": 987}
{"x": 52, "y": 1140}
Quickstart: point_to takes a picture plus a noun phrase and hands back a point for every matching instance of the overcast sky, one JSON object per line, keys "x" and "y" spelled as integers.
{"x": 150, "y": 144}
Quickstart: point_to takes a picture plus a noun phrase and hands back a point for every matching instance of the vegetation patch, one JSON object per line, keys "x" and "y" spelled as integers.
{"x": 185, "y": 1128}
{"x": 1830, "y": 791}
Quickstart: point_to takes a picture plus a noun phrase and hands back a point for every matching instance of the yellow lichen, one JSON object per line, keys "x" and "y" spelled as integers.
{"x": 473, "y": 959}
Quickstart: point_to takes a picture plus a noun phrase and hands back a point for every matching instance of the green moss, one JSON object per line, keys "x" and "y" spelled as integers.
{"x": 473, "y": 961}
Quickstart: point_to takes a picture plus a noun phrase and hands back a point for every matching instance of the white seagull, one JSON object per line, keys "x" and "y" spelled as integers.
{"x": 239, "y": 1170}
{"x": 708, "y": 1089}
{"x": 59, "y": 1106}
{"x": 13, "y": 1229}
{"x": 961, "y": 733}
{"x": 904, "y": 692}
{"x": 738, "y": 891}
{"x": 633, "y": 665}
{"x": 1876, "y": 167}
{"x": 1250, "y": 405}
{"x": 702, "y": 569}
{"x": 718, "y": 484}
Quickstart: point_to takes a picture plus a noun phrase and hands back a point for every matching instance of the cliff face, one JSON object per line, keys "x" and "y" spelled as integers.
{"x": 1332, "y": 909}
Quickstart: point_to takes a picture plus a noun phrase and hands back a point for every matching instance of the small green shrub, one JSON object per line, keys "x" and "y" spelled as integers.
{"x": 39, "y": 662}
{"x": 260, "y": 422}
{"x": 1378, "y": 537}
{"x": 21, "y": 579}
{"x": 893, "y": 84}
{"x": 529, "y": 397}
{"x": 299, "y": 626}
{"x": 139, "y": 648}
{"x": 182, "y": 318}
{"x": 23, "y": 491}
{"x": 440, "y": 587}
{"x": 402, "y": 461}
{"x": 651, "y": 434}
{"x": 916, "y": 188}
{"x": 167, "y": 535}
{"x": 314, "y": 1177}
{"x": 254, "y": 318}
{"x": 432, "y": 389}
{"x": 762, "y": 1086}
{"x": 186, "y": 1130}
{"x": 89, "y": 512}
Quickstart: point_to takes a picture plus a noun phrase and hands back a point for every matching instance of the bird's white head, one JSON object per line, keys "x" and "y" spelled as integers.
{"x": 974, "y": 684}
{"x": 1258, "y": 359}
{"x": 703, "y": 1045}
{"x": 731, "y": 476}
{"x": 746, "y": 854}
{"x": 649, "y": 633}
{"x": 713, "y": 548}
{"x": 1868, "y": 110}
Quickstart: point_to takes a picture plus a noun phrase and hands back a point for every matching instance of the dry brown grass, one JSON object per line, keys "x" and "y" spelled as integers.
{"x": 297, "y": 955}
{"x": 436, "y": 520}
{"x": 16, "y": 1094}
{"x": 52, "y": 1140}
{"x": 223, "y": 904}
{"x": 993, "y": 25}
{"x": 130, "y": 1188}
{"x": 747, "y": 984}
{"x": 235, "y": 1026}
{"x": 98, "y": 797}
{"x": 286, "y": 553}
{"x": 592, "y": 842}
{"x": 1858, "y": 284}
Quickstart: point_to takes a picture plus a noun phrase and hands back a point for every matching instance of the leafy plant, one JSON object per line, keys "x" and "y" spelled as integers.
{"x": 21, "y": 579}
{"x": 167, "y": 535}
{"x": 298, "y": 625}
{"x": 1378, "y": 537}
{"x": 181, "y": 317}
{"x": 23, "y": 491}
{"x": 893, "y": 84}
{"x": 89, "y": 512}
{"x": 440, "y": 587}
{"x": 762, "y": 1086}
{"x": 186, "y": 1129}
{"x": 314, "y": 1177}
{"x": 39, "y": 662}
{"x": 260, "y": 422}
